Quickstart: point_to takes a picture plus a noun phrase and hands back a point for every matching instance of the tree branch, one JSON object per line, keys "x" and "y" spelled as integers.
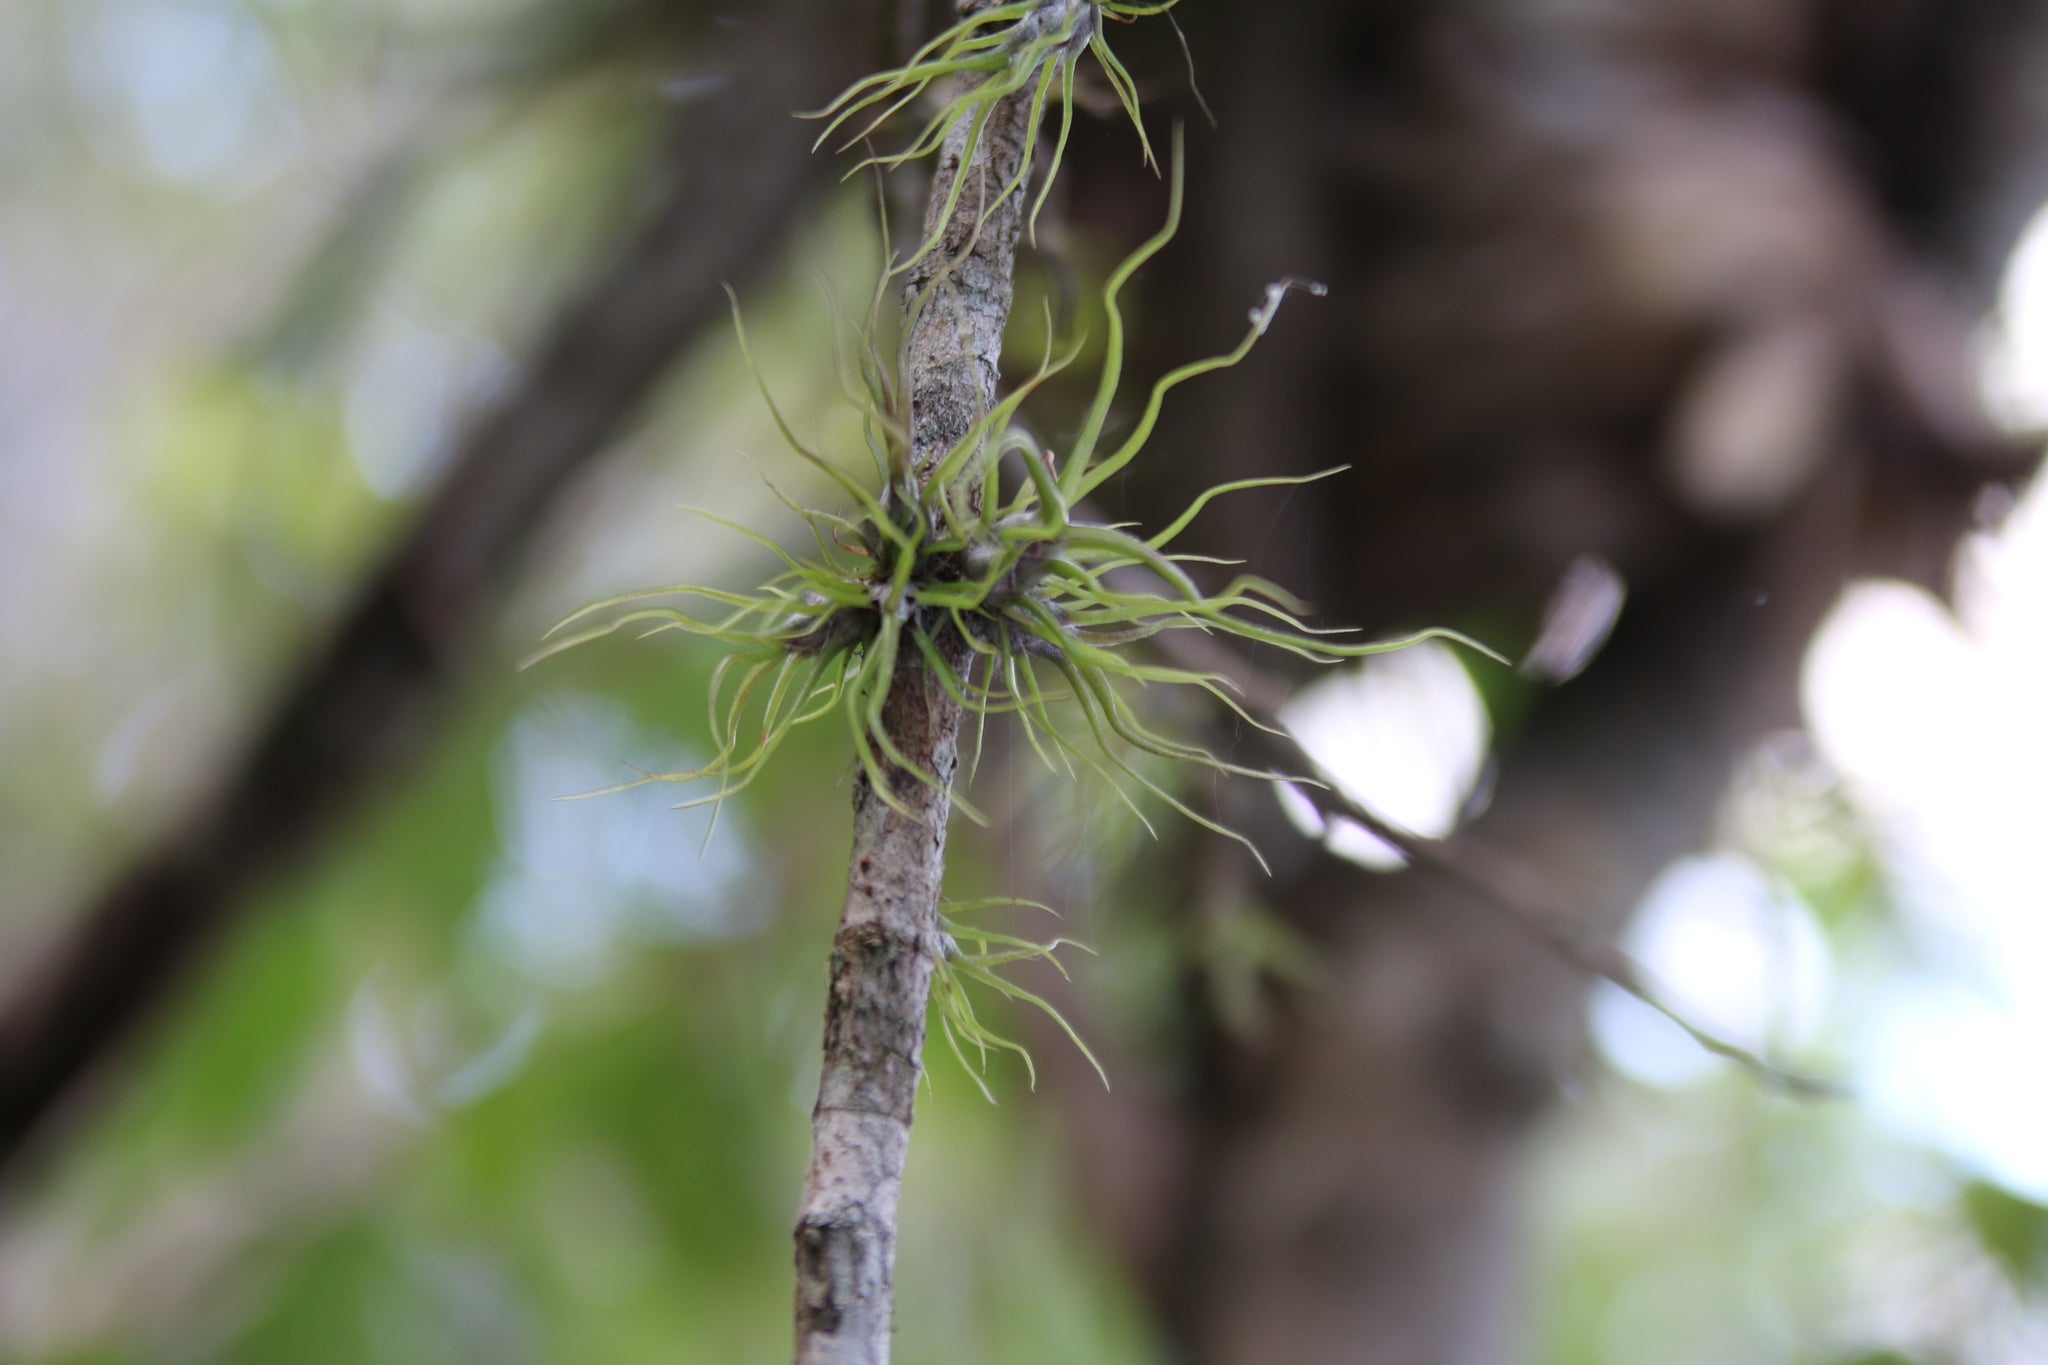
{"x": 1517, "y": 893}
{"x": 738, "y": 170}
{"x": 1494, "y": 878}
{"x": 889, "y": 940}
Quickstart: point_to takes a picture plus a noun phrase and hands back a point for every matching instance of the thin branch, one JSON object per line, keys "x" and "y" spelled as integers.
{"x": 889, "y": 938}
{"x": 1520, "y": 894}
{"x": 1496, "y": 879}
{"x": 737, "y": 172}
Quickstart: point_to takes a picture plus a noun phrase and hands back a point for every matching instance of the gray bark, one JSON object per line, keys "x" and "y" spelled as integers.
{"x": 889, "y": 939}
{"x": 955, "y": 342}
{"x": 882, "y": 961}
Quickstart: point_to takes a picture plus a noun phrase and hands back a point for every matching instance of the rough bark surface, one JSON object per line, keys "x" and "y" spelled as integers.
{"x": 955, "y": 341}
{"x": 882, "y": 963}
{"x": 889, "y": 939}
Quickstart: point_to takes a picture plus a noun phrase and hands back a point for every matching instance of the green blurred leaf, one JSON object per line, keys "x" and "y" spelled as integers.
{"x": 2013, "y": 1229}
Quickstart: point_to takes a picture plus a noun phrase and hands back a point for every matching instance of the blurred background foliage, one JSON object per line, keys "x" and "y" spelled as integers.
{"x": 502, "y": 1078}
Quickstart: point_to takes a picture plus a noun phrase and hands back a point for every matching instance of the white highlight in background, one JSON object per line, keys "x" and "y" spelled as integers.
{"x": 1939, "y": 723}
{"x": 2012, "y": 355}
{"x": 1734, "y": 953}
{"x": 1404, "y": 734}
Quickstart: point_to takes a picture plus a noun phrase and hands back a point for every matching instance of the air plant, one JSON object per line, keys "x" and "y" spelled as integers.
{"x": 976, "y": 963}
{"x": 1047, "y": 602}
{"x": 1025, "y": 45}
{"x": 1043, "y": 602}
{"x": 1044, "y": 598}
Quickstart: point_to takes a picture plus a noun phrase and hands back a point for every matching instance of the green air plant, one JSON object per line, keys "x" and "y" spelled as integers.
{"x": 970, "y": 578}
{"x": 1024, "y": 46}
{"x": 1047, "y": 601}
{"x": 975, "y": 963}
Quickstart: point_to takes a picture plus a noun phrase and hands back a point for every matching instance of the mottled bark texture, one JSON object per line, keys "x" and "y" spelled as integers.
{"x": 1683, "y": 284}
{"x": 956, "y": 339}
{"x": 889, "y": 938}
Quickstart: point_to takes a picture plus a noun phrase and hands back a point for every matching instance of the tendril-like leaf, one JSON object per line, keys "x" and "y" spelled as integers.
{"x": 990, "y": 56}
{"x": 1033, "y": 583}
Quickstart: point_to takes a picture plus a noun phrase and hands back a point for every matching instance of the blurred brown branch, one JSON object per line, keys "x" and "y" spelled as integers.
{"x": 737, "y": 172}
{"x": 1493, "y": 877}
{"x": 1520, "y": 895}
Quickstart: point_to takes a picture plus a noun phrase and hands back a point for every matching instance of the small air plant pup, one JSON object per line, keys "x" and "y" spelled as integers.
{"x": 1018, "y": 50}
{"x": 933, "y": 596}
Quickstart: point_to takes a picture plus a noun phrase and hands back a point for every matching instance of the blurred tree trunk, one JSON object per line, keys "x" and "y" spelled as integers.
{"x": 1685, "y": 285}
